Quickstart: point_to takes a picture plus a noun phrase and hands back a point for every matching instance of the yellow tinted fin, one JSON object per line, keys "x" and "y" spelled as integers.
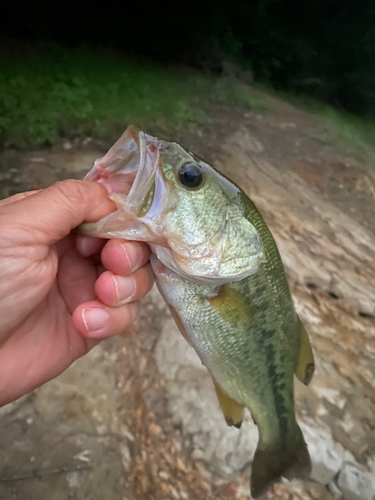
{"x": 233, "y": 306}
{"x": 305, "y": 367}
{"x": 233, "y": 411}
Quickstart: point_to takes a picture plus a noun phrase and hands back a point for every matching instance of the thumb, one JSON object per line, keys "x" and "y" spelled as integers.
{"x": 50, "y": 214}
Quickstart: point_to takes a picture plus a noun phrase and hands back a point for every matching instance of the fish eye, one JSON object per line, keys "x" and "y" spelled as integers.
{"x": 190, "y": 175}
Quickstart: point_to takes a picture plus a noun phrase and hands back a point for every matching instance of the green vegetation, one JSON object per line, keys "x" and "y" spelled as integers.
{"x": 322, "y": 48}
{"x": 56, "y": 92}
{"x": 239, "y": 94}
{"x": 350, "y": 133}
{"x": 340, "y": 129}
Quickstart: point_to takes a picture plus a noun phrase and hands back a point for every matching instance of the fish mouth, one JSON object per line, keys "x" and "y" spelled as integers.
{"x": 133, "y": 162}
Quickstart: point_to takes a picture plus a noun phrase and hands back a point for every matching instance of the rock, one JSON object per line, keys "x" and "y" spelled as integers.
{"x": 285, "y": 125}
{"x": 326, "y": 456}
{"x": 56, "y": 427}
{"x": 335, "y": 490}
{"x": 84, "y": 391}
{"x": 356, "y": 483}
{"x": 67, "y": 145}
{"x": 11, "y": 407}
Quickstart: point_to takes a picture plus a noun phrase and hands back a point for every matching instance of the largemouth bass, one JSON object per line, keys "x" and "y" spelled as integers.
{"x": 218, "y": 268}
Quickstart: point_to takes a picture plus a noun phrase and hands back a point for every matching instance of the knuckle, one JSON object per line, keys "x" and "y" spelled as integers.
{"x": 73, "y": 191}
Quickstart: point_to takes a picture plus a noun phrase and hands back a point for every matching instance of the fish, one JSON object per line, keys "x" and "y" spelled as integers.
{"x": 218, "y": 269}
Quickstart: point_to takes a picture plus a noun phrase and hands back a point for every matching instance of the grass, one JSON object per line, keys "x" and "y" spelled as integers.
{"x": 239, "y": 94}
{"x": 348, "y": 132}
{"x": 54, "y": 92}
{"x": 47, "y": 93}
{"x": 57, "y": 92}
{"x": 344, "y": 131}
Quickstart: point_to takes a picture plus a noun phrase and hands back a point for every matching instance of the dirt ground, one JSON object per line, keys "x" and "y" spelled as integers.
{"x": 108, "y": 428}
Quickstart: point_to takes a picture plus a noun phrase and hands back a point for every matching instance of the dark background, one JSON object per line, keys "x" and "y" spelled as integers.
{"x": 324, "y": 48}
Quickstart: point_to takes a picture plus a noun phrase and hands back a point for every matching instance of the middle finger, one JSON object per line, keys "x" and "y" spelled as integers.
{"x": 114, "y": 290}
{"x": 123, "y": 257}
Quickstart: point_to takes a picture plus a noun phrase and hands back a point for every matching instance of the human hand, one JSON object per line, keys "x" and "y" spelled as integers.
{"x": 56, "y": 298}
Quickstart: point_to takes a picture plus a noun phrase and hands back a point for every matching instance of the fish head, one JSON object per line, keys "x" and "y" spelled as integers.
{"x": 189, "y": 214}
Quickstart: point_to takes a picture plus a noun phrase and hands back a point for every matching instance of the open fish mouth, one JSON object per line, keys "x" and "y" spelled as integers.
{"x": 132, "y": 161}
{"x": 132, "y": 170}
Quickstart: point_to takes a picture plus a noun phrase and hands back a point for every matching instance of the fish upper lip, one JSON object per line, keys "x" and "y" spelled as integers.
{"x": 146, "y": 172}
{"x": 142, "y": 161}
{"x": 119, "y": 159}
{"x": 133, "y": 160}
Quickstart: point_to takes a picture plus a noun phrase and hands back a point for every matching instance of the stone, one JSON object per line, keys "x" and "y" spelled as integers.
{"x": 356, "y": 483}
{"x": 11, "y": 407}
{"x": 326, "y": 456}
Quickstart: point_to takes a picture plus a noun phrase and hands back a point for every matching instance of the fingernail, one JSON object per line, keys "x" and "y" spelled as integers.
{"x": 125, "y": 289}
{"x": 85, "y": 245}
{"x": 95, "y": 319}
{"x": 133, "y": 254}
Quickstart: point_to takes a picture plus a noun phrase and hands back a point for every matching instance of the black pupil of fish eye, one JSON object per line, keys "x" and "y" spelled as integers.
{"x": 190, "y": 175}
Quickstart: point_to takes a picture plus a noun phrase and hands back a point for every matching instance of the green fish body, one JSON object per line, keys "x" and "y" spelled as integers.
{"x": 218, "y": 268}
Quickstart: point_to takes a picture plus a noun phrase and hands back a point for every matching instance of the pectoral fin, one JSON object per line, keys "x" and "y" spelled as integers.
{"x": 305, "y": 367}
{"x": 233, "y": 411}
{"x": 233, "y": 306}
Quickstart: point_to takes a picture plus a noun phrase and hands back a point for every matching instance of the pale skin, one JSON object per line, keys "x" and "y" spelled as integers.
{"x": 61, "y": 293}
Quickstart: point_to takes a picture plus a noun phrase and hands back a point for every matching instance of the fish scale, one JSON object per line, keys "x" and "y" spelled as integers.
{"x": 219, "y": 270}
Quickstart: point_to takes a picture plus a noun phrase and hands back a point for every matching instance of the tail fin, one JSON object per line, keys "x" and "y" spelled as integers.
{"x": 269, "y": 464}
